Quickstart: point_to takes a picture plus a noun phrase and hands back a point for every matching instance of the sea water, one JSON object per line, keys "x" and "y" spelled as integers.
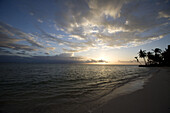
{"x": 62, "y": 88}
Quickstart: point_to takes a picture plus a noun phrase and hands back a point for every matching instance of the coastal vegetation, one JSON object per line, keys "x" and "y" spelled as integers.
{"x": 156, "y": 57}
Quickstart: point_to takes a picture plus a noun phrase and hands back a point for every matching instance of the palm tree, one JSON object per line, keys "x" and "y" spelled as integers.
{"x": 157, "y": 52}
{"x": 137, "y": 60}
{"x": 142, "y": 54}
{"x": 166, "y": 56}
{"x": 150, "y": 57}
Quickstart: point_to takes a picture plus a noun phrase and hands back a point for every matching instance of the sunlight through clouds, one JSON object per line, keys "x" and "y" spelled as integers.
{"x": 79, "y": 26}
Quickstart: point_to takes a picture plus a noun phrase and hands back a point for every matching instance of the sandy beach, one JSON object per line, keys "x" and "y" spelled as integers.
{"x": 153, "y": 98}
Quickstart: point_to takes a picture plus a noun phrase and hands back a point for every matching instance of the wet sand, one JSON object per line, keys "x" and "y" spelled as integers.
{"x": 153, "y": 98}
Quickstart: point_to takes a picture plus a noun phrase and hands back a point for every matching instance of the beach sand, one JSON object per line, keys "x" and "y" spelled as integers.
{"x": 153, "y": 98}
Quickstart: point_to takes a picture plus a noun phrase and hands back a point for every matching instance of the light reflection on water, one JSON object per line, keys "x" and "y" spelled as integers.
{"x": 60, "y": 88}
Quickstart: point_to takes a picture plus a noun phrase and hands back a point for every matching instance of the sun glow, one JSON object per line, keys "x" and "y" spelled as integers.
{"x": 104, "y": 58}
{"x": 101, "y": 63}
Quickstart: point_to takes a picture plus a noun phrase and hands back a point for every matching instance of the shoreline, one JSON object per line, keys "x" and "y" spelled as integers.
{"x": 153, "y": 98}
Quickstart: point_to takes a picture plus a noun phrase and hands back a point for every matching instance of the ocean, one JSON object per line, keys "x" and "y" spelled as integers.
{"x": 64, "y": 88}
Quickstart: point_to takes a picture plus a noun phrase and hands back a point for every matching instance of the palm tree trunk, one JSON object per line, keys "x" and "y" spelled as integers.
{"x": 144, "y": 60}
{"x": 139, "y": 62}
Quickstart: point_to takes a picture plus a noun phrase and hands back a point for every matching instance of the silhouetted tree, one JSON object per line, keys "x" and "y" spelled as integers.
{"x": 157, "y": 51}
{"x": 142, "y": 54}
{"x": 166, "y": 56}
{"x": 160, "y": 58}
{"x": 150, "y": 58}
{"x": 157, "y": 58}
{"x": 137, "y": 60}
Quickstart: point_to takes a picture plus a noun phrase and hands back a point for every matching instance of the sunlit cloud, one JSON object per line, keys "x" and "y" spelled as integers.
{"x": 113, "y": 24}
{"x": 76, "y": 37}
{"x": 164, "y": 15}
{"x": 50, "y": 48}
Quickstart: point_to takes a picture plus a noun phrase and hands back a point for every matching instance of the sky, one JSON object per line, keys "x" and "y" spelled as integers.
{"x": 82, "y": 31}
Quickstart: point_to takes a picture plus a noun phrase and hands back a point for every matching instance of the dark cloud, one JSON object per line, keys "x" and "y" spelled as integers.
{"x": 18, "y": 47}
{"x": 6, "y": 39}
{"x": 47, "y": 53}
{"x": 127, "y": 62}
{"x": 102, "y": 61}
{"x": 65, "y": 55}
{"x": 3, "y": 51}
{"x": 95, "y": 61}
{"x": 21, "y": 53}
{"x": 9, "y": 37}
{"x": 7, "y": 42}
{"x": 61, "y": 58}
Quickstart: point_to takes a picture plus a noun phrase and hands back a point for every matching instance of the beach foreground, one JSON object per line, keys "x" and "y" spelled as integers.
{"x": 153, "y": 98}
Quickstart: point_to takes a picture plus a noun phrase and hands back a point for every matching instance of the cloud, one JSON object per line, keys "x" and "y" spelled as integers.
{"x": 4, "y": 52}
{"x": 61, "y": 58}
{"x": 18, "y": 47}
{"x": 58, "y": 36}
{"x": 86, "y": 24}
{"x": 106, "y": 7}
{"x": 11, "y": 43}
{"x": 5, "y": 39}
{"x": 66, "y": 55}
{"x": 31, "y": 13}
{"x": 76, "y": 49}
{"x": 72, "y": 45}
{"x": 50, "y": 48}
{"x": 127, "y": 62}
{"x": 95, "y": 61}
{"x": 12, "y": 32}
{"x": 164, "y": 15}
{"x": 76, "y": 37}
{"x": 40, "y": 21}
{"x": 116, "y": 23}
{"x": 17, "y": 40}
{"x": 21, "y": 53}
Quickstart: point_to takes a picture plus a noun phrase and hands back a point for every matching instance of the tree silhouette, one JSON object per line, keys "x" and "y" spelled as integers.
{"x": 166, "y": 57}
{"x": 157, "y": 51}
{"x": 150, "y": 57}
{"x": 142, "y": 54}
{"x": 137, "y": 60}
{"x": 159, "y": 58}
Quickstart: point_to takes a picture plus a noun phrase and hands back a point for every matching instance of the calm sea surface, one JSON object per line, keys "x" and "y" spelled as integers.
{"x": 61, "y": 88}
